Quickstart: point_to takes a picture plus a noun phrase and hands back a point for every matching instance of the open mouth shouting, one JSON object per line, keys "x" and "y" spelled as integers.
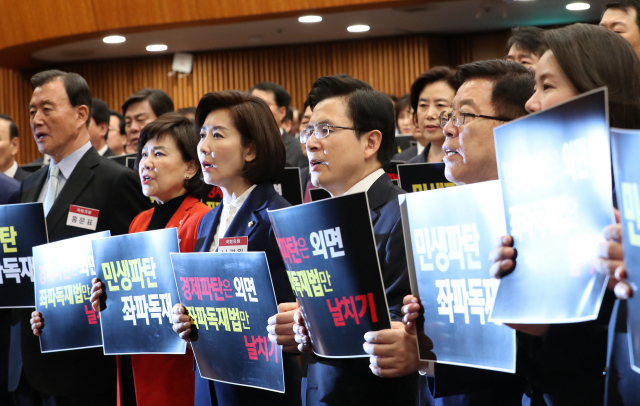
{"x": 206, "y": 165}
{"x": 315, "y": 163}
{"x": 146, "y": 179}
{"x": 40, "y": 136}
{"x": 449, "y": 152}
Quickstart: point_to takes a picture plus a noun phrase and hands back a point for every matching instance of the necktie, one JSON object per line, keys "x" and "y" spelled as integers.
{"x": 52, "y": 189}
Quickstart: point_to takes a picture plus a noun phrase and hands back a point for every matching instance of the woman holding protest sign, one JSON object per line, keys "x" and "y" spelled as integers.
{"x": 170, "y": 174}
{"x": 241, "y": 152}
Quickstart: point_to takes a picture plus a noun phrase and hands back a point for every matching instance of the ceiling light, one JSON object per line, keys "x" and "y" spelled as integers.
{"x": 114, "y": 39}
{"x": 310, "y": 19}
{"x": 358, "y": 28}
{"x": 157, "y": 48}
{"x": 578, "y": 6}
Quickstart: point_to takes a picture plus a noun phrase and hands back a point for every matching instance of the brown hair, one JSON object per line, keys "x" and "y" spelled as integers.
{"x": 253, "y": 119}
{"x": 593, "y": 57}
{"x": 182, "y": 130}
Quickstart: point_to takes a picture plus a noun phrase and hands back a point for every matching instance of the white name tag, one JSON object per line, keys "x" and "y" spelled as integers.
{"x": 233, "y": 244}
{"x": 83, "y": 217}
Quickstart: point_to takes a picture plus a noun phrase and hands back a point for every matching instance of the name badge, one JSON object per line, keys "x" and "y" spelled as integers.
{"x": 233, "y": 244}
{"x": 83, "y": 217}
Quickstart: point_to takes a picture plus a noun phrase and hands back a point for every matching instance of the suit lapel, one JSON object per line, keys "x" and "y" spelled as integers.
{"x": 73, "y": 187}
{"x": 247, "y": 218}
{"x": 33, "y": 185}
{"x": 210, "y": 229}
{"x": 377, "y": 195}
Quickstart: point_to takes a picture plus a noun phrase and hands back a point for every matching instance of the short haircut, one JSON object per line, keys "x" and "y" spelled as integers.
{"x": 160, "y": 101}
{"x": 513, "y": 84}
{"x": 115, "y": 113}
{"x": 182, "y": 130}
{"x": 368, "y": 109}
{"x": 186, "y": 110}
{"x": 13, "y": 128}
{"x": 289, "y": 114}
{"x": 279, "y": 93}
{"x": 625, "y": 5}
{"x": 433, "y": 75}
{"x": 528, "y": 39}
{"x": 584, "y": 53}
{"x": 304, "y": 106}
{"x": 254, "y": 121}
{"x": 76, "y": 87}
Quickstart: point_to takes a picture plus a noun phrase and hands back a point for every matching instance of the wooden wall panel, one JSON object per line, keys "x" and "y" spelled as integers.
{"x": 388, "y": 64}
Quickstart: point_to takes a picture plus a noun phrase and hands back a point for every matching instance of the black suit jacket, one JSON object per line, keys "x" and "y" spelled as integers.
{"x": 21, "y": 174}
{"x": 350, "y": 381}
{"x": 422, "y": 158}
{"x": 406, "y": 154}
{"x": 252, "y": 221}
{"x": 622, "y": 383}
{"x": 108, "y": 153}
{"x": 295, "y": 157}
{"x": 96, "y": 183}
{"x": 9, "y": 189}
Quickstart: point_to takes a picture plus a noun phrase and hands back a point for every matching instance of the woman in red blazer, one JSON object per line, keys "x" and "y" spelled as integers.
{"x": 171, "y": 174}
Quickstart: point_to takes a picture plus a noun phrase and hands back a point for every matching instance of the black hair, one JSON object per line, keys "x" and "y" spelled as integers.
{"x": 160, "y": 101}
{"x": 513, "y": 84}
{"x": 368, "y": 109}
{"x": 186, "y": 110}
{"x": 77, "y": 89}
{"x": 625, "y": 5}
{"x": 433, "y": 75}
{"x": 100, "y": 113}
{"x": 183, "y": 132}
{"x": 528, "y": 39}
{"x": 279, "y": 93}
{"x": 13, "y": 128}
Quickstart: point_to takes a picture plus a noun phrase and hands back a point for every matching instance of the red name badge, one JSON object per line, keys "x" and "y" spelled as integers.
{"x": 233, "y": 244}
{"x": 83, "y": 217}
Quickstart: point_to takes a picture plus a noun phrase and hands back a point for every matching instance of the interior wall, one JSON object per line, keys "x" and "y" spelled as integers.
{"x": 388, "y": 64}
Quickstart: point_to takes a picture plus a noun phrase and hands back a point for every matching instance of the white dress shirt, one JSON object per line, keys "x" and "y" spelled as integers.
{"x": 11, "y": 172}
{"x": 102, "y": 150}
{"x": 67, "y": 165}
{"x": 229, "y": 210}
{"x": 420, "y": 148}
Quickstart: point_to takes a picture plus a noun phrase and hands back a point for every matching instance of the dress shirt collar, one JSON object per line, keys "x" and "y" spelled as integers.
{"x": 238, "y": 201}
{"x": 11, "y": 172}
{"x": 365, "y": 184}
{"x": 420, "y": 148}
{"x": 104, "y": 149}
{"x": 68, "y": 164}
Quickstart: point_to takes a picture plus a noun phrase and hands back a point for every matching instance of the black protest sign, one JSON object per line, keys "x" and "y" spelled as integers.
{"x": 422, "y": 176}
{"x": 22, "y": 227}
{"x": 392, "y": 169}
{"x": 330, "y": 254}
{"x": 213, "y": 198}
{"x": 625, "y": 145}
{"x": 404, "y": 142}
{"x": 555, "y": 171}
{"x": 230, "y": 298}
{"x": 449, "y": 271}
{"x": 140, "y": 292}
{"x": 289, "y": 186}
{"x": 63, "y": 293}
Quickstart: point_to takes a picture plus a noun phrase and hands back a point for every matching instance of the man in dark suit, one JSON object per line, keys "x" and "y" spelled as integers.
{"x": 278, "y": 99}
{"x": 99, "y": 127}
{"x": 348, "y": 156}
{"x": 59, "y": 113}
{"x": 9, "y": 193}
{"x": 9, "y": 146}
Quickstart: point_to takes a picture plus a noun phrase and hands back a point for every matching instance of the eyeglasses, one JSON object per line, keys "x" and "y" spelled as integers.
{"x": 321, "y": 130}
{"x": 458, "y": 116}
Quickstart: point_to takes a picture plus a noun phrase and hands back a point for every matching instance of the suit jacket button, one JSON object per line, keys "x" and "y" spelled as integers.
{"x": 251, "y": 223}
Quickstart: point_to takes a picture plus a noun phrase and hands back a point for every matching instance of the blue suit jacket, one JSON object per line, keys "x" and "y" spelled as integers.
{"x": 622, "y": 383}
{"x": 9, "y": 189}
{"x": 252, "y": 220}
{"x": 350, "y": 381}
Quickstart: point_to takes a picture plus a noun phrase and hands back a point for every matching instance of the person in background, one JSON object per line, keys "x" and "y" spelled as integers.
{"x": 567, "y": 360}
{"x": 431, "y": 94}
{"x": 295, "y": 122}
{"x": 140, "y": 109}
{"x": 9, "y": 147}
{"x": 59, "y": 114}
{"x": 492, "y": 92}
{"x": 99, "y": 127}
{"x": 404, "y": 116}
{"x": 278, "y": 101}
{"x": 116, "y": 137}
{"x": 241, "y": 152}
{"x": 525, "y": 46}
{"x": 623, "y": 18}
{"x": 188, "y": 112}
{"x": 305, "y": 175}
{"x": 349, "y": 141}
{"x": 170, "y": 173}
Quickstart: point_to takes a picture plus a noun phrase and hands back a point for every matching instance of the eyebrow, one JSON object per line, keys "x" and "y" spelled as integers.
{"x": 45, "y": 101}
{"x": 156, "y": 147}
{"x": 469, "y": 102}
{"x": 440, "y": 99}
{"x": 213, "y": 127}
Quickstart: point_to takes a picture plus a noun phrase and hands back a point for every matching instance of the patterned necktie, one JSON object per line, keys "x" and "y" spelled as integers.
{"x": 52, "y": 189}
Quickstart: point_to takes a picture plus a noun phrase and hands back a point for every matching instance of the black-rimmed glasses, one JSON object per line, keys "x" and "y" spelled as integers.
{"x": 458, "y": 116}
{"x": 321, "y": 130}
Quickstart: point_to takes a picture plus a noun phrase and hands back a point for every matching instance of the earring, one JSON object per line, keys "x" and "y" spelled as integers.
{"x": 186, "y": 177}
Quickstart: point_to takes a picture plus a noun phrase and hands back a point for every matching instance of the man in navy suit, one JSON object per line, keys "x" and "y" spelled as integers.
{"x": 59, "y": 112}
{"x": 349, "y": 143}
{"x": 469, "y": 158}
{"x": 9, "y": 146}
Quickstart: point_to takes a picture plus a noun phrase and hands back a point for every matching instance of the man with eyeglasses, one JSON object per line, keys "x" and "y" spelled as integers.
{"x": 492, "y": 92}
{"x": 349, "y": 141}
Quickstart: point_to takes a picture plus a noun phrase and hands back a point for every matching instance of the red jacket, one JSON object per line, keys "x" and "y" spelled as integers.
{"x": 167, "y": 379}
